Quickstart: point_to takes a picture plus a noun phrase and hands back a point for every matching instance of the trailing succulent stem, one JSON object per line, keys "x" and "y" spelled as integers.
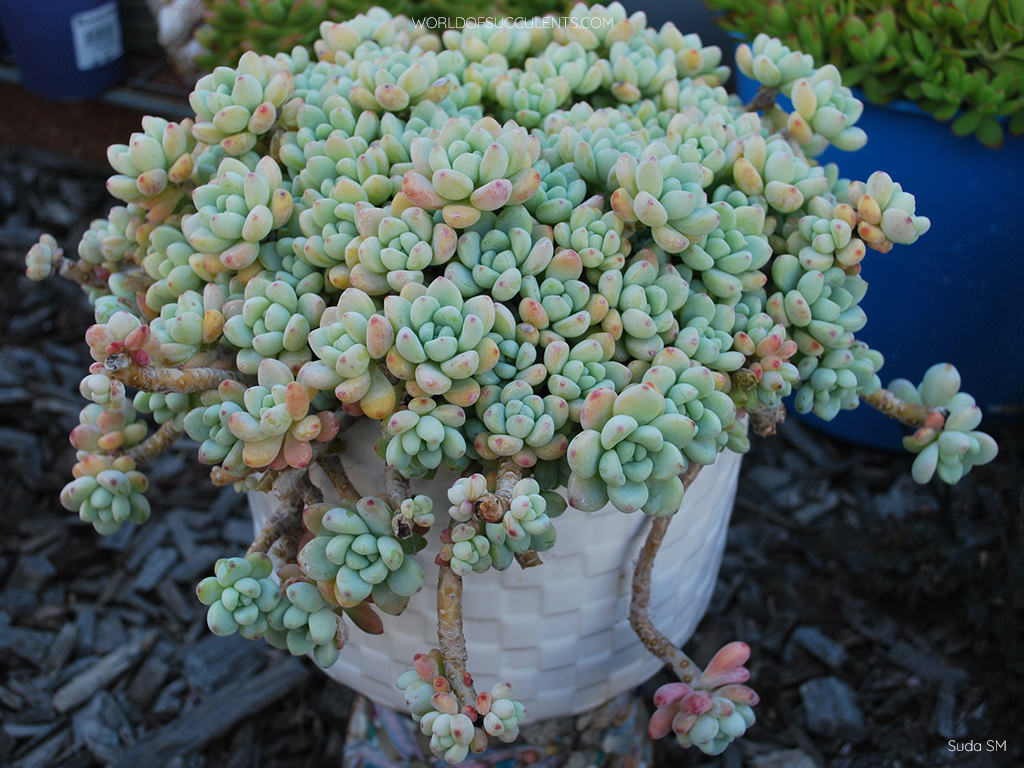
{"x": 450, "y": 638}
{"x": 708, "y": 708}
{"x": 333, "y": 466}
{"x": 155, "y": 444}
{"x": 639, "y": 616}
{"x": 396, "y": 487}
{"x": 152, "y": 378}
{"x": 911, "y": 414}
{"x": 640, "y": 601}
{"x": 284, "y": 520}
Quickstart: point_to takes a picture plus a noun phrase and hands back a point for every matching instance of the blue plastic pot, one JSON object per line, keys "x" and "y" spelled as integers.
{"x": 954, "y": 295}
{"x": 65, "y": 49}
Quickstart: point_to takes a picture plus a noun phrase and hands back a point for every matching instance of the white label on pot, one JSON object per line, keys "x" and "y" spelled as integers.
{"x": 96, "y": 36}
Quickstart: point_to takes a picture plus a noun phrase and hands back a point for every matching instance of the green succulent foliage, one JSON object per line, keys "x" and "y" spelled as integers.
{"x": 153, "y": 163}
{"x": 107, "y": 492}
{"x": 467, "y": 550}
{"x": 352, "y": 336}
{"x": 230, "y": 29}
{"x": 427, "y": 692}
{"x": 242, "y": 597}
{"x": 561, "y": 190}
{"x": 303, "y": 622}
{"x": 277, "y": 314}
{"x": 237, "y": 210}
{"x": 99, "y": 388}
{"x": 712, "y": 732}
{"x": 108, "y": 241}
{"x": 207, "y": 424}
{"x": 519, "y": 351}
{"x": 597, "y": 236}
{"x": 418, "y": 511}
{"x": 629, "y": 452}
{"x": 705, "y": 334}
{"x": 521, "y": 424}
{"x": 425, "y": 435}
{"x": 574, "y": 371}
{"x": 772, "y": 376}
{"x": 562, "y": 248}
{"x": 471, "y": 168}
{"x": 239, "y": 595}
{"x": 953, "y": 445}
{"x": 526, "y": 525}
{"x": 643, "y": 299}
{"x": 170, "y": 264}
{"x": 440, "y": 340}
{"x": 189, "y": 329}
{"x": 496, "y": 253}
{"x": 406, "y": 80}
{"x": 960, "y": 61}
{"x": 355, "y": 553}
{"x": 394, "y": 250}
{"x": 692, "y": 391}
{"x": 236, "y": 106}
{"x": 171, "y": 407}
{"x": 42, "y": 257}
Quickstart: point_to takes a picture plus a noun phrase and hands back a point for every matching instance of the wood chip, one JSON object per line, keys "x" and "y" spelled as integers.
{"x": 101, "y": 674}
{"x": 217, "y": 714}
{"x": 830, "y": 709}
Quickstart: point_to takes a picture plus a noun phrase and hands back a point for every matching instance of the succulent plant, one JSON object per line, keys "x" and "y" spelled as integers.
{"x": 394, "y": 250}
{"x": 425, "y": 435}
{"x": 107, "y": 491}
{"x": 521, "y": 424}
{"x": 440, "y": 340}
{"x": 154, "y": 166}
{"x": 958, "y": 61}
{"x": 526, "y": 525}
{"x": 354, "y": 556}
{"x": 948, "y": 443}
{"x": 629, "y": 452}
{"x": 239, "y": 595}
{"x": 351, "y": 337}
{"x": 471, "y": 168}
{"x": 189, "y": 329}
{"x": 275, "y": 320}
{"x": 643, "y": 299}
{"x": 428, "y": 694}
{"x": 542, "y": 257}
{"x": 497, "y": 253}
{"x": 237, "y": 210}
{"x": 234, "y": 107}
{"x": 714, "y": 711}
{"x": 303, "y": 622}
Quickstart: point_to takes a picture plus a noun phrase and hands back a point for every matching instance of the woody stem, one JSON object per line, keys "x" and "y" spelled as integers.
{"x": 886, "y": 402}
{"x": 450, "y": 638}
{"x": 639, "y": 608}
{"x": 155, "y": 444}
{"x": 154, "y": 378}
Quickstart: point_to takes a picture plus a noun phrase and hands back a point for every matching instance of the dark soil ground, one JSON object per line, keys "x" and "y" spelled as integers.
{"x": 885, "y": 618}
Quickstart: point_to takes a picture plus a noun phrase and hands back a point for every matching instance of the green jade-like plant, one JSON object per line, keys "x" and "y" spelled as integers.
{"x": 961, "y": 60}
{"x": 537, "y": 256}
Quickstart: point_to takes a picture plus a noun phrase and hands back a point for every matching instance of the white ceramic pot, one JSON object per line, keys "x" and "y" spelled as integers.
{"x": 560, "y": 631}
